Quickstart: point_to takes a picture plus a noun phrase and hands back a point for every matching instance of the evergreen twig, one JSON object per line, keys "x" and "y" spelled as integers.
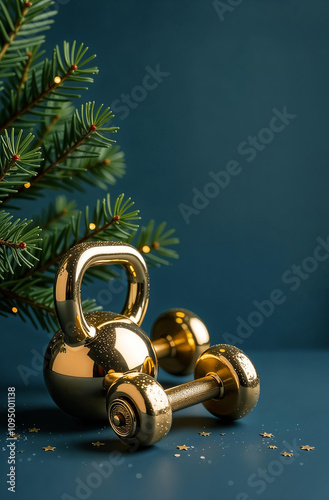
{"x": 45, "y": 143}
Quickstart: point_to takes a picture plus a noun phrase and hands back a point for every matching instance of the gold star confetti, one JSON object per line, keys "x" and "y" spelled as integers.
{"x": 204, "y": 433}
{"x": 223, "y": 433}
{"x": 307, "y": 447}
{"x": 202, "y": 457}
{"x": 266, "y": 435}
{"x": 20, "y": 451}
{"x": 49, "y": 448}
{"x": 33, "y": 429}
{"x": 286, "y": 454}
{"x": 177, "y": 455}
{"x": 272, "y": 447}
{"x": 183, "y": 447}
{"x": 98, "y": 444}
{"x": 15, "y": 436}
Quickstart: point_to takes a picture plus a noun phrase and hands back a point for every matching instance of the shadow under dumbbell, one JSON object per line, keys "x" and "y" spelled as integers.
{"x": 112, "y": 444}
{"x": 199, "y": 423}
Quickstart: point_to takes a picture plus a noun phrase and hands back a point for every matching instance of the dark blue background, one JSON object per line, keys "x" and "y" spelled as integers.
{"x": 225, "y": 77}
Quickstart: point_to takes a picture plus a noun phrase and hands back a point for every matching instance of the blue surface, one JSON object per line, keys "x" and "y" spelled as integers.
{"x": 225, "y": 78}
{"x": 293, "y": 406}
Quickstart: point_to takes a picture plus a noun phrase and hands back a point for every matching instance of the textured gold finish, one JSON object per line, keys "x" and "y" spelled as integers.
{"x": 193, "y": 393}
{"x": 96, "y": 344}
{"x": 239, "y": 379}
{"x": 226, "y": 382}
{"x": 75, "y": 375}
{"x": 67, "y": 294}
{"x": 146, "y": 405}
{"x": 179, "y": 337}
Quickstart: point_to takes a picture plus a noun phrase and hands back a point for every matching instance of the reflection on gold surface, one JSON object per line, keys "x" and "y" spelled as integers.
{"x": 148, "y": 413}
{"x": 179, "y": 337}
{"x": 69, "y": 279}
{"x": 197, "y": 325}
{"x": 239, "y": 378}
{"x": 72, "y": 372}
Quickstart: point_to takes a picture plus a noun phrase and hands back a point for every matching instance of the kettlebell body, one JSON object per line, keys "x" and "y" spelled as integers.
{"x": 88, "y": 347}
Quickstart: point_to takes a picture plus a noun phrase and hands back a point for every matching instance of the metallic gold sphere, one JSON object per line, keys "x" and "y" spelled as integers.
{"x": 239, "y": 379}
{"x": 188, "y": 338}
{"x": 138, "y": 409}
{"x": 74, "y": 374}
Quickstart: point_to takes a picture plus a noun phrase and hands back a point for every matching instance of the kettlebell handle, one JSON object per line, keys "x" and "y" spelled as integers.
{"x": 67, "y": 288}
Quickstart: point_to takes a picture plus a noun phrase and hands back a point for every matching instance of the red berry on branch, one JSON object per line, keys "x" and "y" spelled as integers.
{"x": 74, "y": 67}
{"x": 16, "y": 157}
{"x": 93, "y": 127}
{"x": 117, "y": 218}
{"x": 22, "y": 245}
{"x": 28, "y": 4}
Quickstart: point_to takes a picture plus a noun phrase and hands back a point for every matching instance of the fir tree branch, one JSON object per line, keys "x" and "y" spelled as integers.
{"x": 16, "y": 157}
{"x": 37, "y": 100}
{"x": 153, "y": 243}
{"x": 24, "y": 75}
{"x": 63, "y": 157}
{"x": 87, "y": 129}
{"x": 25, "y": 300}
{"x": 36, "y": 94}
{"x": 104, "y": 217}
{"x": 56, "y": 218}
{"x": 88, "y": 235}
{"x": 10, "y": 165}
{"x": 17, "y": 26}
{"x": 17, "y": 240}
{"x": 10, "y": 244}
{"x": 51, "y": 167}
{"x": 48, "y": 130}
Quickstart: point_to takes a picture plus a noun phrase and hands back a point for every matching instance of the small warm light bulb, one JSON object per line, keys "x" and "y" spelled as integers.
{"x": 27, "y": 185}
{"x": 57, "y": 79}
{"x": 221, "y": 350}
{"x": 146, "y": 249}
{"x": 180, "y": 314}
{"x": 92, "y": 226}
{"x": 15, "y": 310}
{"x": 179, "y": 321}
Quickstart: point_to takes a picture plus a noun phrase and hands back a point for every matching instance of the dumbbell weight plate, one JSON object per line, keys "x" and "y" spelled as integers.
{"x": 240, "y": 381}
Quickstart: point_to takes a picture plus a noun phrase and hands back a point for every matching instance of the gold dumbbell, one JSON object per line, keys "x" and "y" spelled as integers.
{"x": 179, "y": 337}
{"x": 226, "y": 382}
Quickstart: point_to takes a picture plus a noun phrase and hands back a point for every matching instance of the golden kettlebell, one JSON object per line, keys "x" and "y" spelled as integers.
{"x": 89, "y": 346}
